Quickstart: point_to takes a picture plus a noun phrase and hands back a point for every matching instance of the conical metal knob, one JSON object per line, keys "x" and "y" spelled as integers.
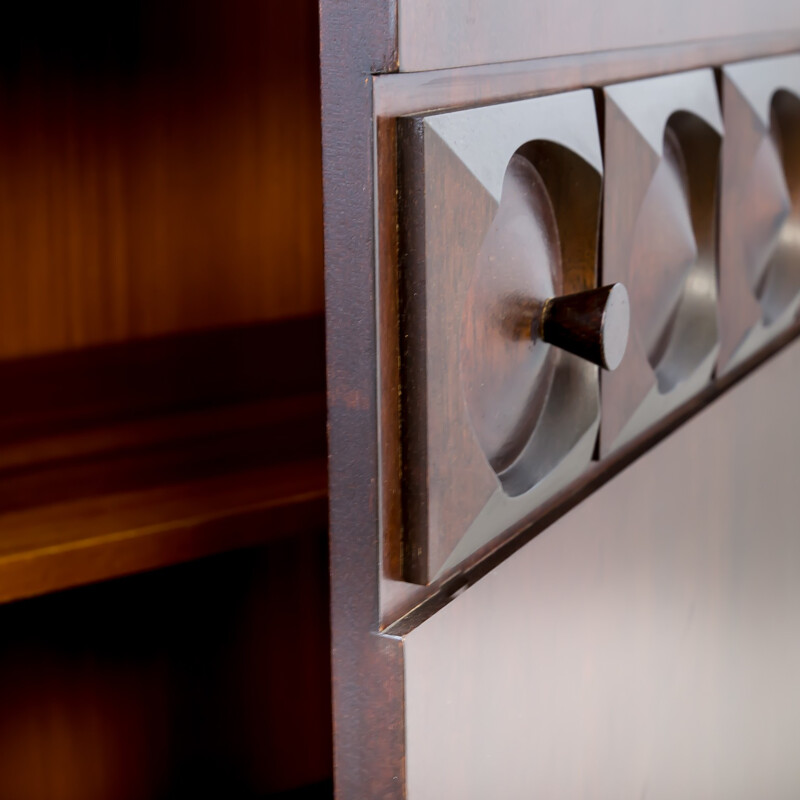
{"x": 593, "y": 324}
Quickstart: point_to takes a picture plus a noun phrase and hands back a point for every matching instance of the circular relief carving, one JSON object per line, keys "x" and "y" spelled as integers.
{"x": 506, "y": 374}
{"x": 772, "y": 246}
{"x": 673, "y": 254}
{"x": 511, "y": 378}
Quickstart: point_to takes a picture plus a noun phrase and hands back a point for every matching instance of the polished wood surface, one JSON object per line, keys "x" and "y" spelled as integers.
{"x": 506, "y": 369}
{"x": 661, "y": 154}
{"x": 592, "y": 324}
{"x": 499, "y": 215}
{"x": 406, "y": 605}
{"x": 357, "y": 39}
{"x": 158, "y": 451}
{"x": 69, "y": 543}
{"x": 759, "y": 204}
{"x": 416, "y": 92}
{"x": 457, "y": 33}
{"x": 173, "y": 378}
{"x": 643, "y": 644}
{"x": 439, "y": 194}
{"x": 738, "y": 302}
{"x": 163, "y": 400}
{"x": 206, "y": 679}
{"x": 369, "y": 672}
{"x": 161, "y": 169}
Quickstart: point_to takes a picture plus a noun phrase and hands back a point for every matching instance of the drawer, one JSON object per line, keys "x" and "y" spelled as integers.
{"x": 512, "y": 298}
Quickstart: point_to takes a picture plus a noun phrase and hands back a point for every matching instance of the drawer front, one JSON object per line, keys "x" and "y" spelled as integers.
{"x": 510, "y": 299}
{"x": 645, "y": 644}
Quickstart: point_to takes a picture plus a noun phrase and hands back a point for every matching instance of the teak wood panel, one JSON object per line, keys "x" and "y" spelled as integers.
{"x": 157, "y": 451}
{"x": 413, "y": 93}
{"x": 97, "y": 538}
{"x": 416, "y": 92}
{"x": 759, "y": 260}
{"x": 499, "y": 214}
{"x": 159, "y": 169}
{"x": 661, "y": 151}
{"x": 646, "y": 643}
{"x": 456, "y": 33}
{"x": 358, "y": 39}
{"x": 209, "y": 678}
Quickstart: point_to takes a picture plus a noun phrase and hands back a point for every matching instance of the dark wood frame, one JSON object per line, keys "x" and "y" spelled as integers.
{"x": 357, "y": 40}
{"x": 359, "y": 142}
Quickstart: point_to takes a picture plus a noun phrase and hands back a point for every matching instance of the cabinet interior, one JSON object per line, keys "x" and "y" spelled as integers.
{"x": 163, "y": 372}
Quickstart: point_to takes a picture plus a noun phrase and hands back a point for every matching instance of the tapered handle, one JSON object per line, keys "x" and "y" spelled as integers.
{"x": 593, "y": 324}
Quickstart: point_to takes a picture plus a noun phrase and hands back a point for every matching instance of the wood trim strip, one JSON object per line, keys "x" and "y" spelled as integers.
{"x": 358, "y": 38}
{"x": 415, "y": 92}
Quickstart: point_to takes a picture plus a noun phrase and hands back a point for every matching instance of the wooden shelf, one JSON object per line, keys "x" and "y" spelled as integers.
{"x": 158, "y": 452}
{"x": 162, "y": 403}
{"x": 53, "y": 547}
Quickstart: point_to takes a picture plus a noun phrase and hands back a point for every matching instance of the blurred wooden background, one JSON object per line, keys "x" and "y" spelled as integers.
{"x": 160, "y": 176}
{"x": 207, "y": 679}
{"x": 160, "y": 168}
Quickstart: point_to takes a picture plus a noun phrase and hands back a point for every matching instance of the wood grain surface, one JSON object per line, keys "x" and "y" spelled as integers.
{"x": 645, "y": 644}
{"x": 368, "y": 670}
{"x": 409, "y": 93}
{"x": 73, "y": 542}
{"x": 758, "y": 260}
{"x": 661, "y": 150}
{"x": 160, "y": 210}
{"x": 498, "y": 215}
{"x": 457, "y": 33}
{"x": 416, "y": 92}
{"x": 161, "y": 169}
{"x": 209, "y": 678}
{"x": 131, "y": 456}
{"x": 164, "y": 376}
{"x": 357, "y": 39}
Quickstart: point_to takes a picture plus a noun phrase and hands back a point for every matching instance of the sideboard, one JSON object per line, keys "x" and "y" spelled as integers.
{"x": 550, "y": 579}
{"x": 536, "y": 267}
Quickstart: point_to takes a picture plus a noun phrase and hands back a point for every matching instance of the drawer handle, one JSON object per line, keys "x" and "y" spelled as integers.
{"x": 592, "y": 325}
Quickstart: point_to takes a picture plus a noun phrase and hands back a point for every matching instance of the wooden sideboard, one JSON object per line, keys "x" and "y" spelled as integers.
{"x": 201, "y": 594}
{"x": 630, "y": 630}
